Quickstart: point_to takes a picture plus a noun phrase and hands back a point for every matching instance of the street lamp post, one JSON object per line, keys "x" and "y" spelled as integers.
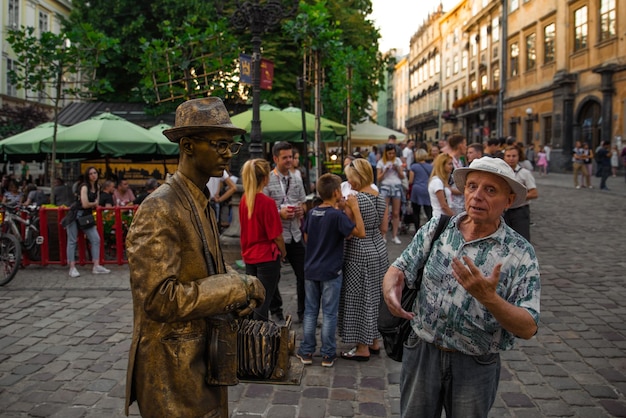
{"x": 258, "y": 17}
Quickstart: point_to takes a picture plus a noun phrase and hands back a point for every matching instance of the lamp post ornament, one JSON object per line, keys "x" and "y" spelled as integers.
{"x": 258, "y": 17}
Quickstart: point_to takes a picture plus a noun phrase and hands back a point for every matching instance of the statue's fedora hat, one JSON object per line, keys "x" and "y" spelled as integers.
{"x": 199, "y": 116}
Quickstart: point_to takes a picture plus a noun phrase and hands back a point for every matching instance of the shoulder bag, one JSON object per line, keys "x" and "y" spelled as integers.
{"x": 86, "y": 220}
{"x": 395, "y": 331}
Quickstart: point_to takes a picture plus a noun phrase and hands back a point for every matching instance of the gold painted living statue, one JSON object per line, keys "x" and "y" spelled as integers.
{"x": 185, "y": 298}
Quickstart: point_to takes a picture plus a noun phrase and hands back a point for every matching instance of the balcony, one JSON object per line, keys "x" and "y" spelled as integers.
{"x": 485, "y": 98}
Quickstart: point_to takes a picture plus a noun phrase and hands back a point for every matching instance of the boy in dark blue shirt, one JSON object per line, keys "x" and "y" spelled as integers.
{"x": 325, "y": 229}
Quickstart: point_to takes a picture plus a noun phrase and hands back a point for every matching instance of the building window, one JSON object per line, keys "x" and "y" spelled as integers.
{"x": 10, "y": 87}
{"x": 44, "y": 22}
{"x": 464, "y": 59}
{"x": 607, "y": 19}
{"x": 531, "y": 51}
{"x": 495, "y": 29}
{"x": 483, "y": 37}
{"x": 455, "y": 64}
{"x": 580, "y": 28}
{"x": 514, "y": 5}
{"x": 514, "y": 59}
{"x": 529, "y": 131}
{"x": 549, "y": 36}
{"x": 448, "y": 68}
{"x": 14, "y": 13}
{"x": 473, "y": 85}
{"x": 496, "y": 78}
{"x": 484, "y": 82}
{"x": 547, "y": 129}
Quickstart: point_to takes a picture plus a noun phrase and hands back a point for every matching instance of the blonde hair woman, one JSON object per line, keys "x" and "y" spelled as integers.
{"x": 365, "y": 262}
{"x": 262, "y": 243}
{"x": 438, "y": 188}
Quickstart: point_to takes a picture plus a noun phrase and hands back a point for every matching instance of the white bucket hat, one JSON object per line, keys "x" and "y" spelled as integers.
{"x": 495, "y": 166}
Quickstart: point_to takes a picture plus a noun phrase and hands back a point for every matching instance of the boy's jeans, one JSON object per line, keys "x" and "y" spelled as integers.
{"x": 327, "y": 293}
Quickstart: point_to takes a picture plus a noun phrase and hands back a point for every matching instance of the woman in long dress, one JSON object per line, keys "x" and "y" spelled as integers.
{"x": 365, "y": 264}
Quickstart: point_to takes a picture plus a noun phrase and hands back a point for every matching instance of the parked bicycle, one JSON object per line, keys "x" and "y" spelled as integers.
{"x": 10, "y": 257}
{"x": 19, "y": 233}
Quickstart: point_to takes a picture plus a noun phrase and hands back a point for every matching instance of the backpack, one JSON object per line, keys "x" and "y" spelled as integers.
{"x": 598, "y": 155}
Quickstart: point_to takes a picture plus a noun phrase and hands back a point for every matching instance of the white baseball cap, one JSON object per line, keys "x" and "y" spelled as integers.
{"x": 495, "y": 166}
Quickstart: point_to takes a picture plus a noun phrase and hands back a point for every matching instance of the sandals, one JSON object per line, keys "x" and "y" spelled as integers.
{"x": 351, "y": 355}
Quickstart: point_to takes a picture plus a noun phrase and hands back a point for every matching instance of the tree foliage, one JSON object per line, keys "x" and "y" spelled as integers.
{"x": 338, "y": 31}
{"x": 189, "y": 62}
{"x": 130, "y": 21}
{"x": 66, "y": 60}
{"x": 146, "y": 30}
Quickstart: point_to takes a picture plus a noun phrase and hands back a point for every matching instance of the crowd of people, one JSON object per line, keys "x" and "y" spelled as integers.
{"x": 82, "y": 197}
{"x": 340, "y": 260}
{"x": 476, "y": 297}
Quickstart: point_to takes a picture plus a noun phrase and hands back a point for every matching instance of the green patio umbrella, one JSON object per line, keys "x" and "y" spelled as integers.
{"x": 164, "y": 145}
{"x": 29, "y": 142}
{"x": 287, "y": 126}
{"x": 105, "y": 134}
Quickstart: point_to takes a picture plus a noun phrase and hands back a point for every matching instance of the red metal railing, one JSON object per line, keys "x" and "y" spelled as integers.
{"x": 112, "y": 224}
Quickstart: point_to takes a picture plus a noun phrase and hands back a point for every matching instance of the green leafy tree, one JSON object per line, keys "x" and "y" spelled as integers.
{"x": 338, "y": 33}
{"x": 190, "y": 62}
{"x": 130, "y": 21}
{"x": 59, "y": 66}
{"x": 165, "y": 23}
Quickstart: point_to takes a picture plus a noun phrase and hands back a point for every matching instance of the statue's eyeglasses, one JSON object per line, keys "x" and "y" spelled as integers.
{"x": 222, "y": 146}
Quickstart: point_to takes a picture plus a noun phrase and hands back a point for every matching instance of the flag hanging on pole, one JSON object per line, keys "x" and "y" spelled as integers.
{"x": 267, "y": 71}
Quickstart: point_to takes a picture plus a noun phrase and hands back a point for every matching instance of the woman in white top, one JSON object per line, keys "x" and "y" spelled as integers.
{"x": 438, "y": 188}
{"x": 390, "y": 175}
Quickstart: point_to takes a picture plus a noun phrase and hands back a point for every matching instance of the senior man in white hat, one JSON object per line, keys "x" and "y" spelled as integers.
{"x": 184, "y": 296}
{"x": 480, "y": 291}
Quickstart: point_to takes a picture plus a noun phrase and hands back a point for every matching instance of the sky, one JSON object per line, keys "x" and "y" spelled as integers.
{"x": 398, "y": 20}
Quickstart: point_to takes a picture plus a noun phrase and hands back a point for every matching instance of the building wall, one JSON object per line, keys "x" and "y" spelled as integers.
{"x": 401, "y": 94}
{"x": 566, "y": 83}
{"x": 454, "y": 61}
{"x": 425, "y": 80}
{"x": 577, "y": 95}
{"x": 43, "y": 16}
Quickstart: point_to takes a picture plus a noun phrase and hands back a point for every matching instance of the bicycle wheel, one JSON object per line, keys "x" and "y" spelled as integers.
{"x": 32, "y": 243}
{"x": 10, "y": 258}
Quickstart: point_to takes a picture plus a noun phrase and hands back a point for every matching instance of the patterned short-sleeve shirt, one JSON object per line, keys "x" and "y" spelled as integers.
{"x": 287, "y": 189}
{"x": 446, "y": 314}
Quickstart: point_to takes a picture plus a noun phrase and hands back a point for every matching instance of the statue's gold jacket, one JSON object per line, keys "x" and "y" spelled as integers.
{"x": 173, "y": 295}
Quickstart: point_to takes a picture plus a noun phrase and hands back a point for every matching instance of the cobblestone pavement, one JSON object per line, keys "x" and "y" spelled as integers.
{"x": 64, "y": 342}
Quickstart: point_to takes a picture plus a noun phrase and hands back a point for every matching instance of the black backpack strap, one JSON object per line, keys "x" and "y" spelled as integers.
{"x": 443, "y": 222}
